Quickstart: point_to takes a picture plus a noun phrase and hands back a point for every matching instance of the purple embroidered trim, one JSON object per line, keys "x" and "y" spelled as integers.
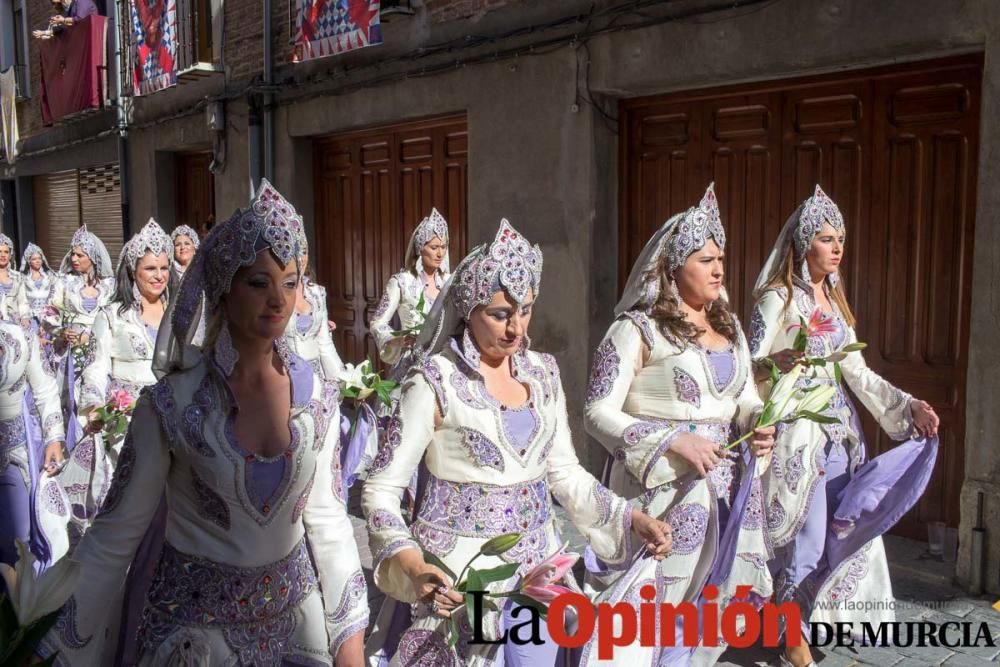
{"x": 195, "y": 591}
{"x": 482, "y": 449}
{"x": 605, "y": 501}
{"x": 383, "y": 304}
{"x": 546, "y": 449}
{"x": 211, "y": 506}
{"x": 604, "y": 371}
{"x": 687, "y": 387}
{"x": 690, "y": 524}
{"x": 425, "y": 648}
{"x": 391, "y": 441}
{"x": 758, "y": 327}
{"x": 391, "y": 549}
{"x": 194, "y": 417}
{"x": 485, "y": 511}
{"x": 436, "y": 541}
{"x": 300, "y": 504}
{"x": 641, "y": 320}
{"x": 66, "y": 626}
{"x": 753, "y": 515}
{"x": 795, "y": 468}
{"x": 12, "y": 433}
{"x": 383, "y": 519}
{"x": 53, "y": 500}
{"x": 354, "y": 593}
{"x": 753, "y": 558}
{"x": 122, "y": 476}
{"x": 163, "y": 401}
{"x": 432, "y": 374}
{"x": 322, "y": 411}
{"x": 847, "y": 587}
{"x": 776, "y": 515}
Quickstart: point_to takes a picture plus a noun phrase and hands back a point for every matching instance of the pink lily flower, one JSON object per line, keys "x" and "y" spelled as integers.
{"x": 539, "y": 582}
{"x": 819, "y": 323}
{"x": 121, "y": 401}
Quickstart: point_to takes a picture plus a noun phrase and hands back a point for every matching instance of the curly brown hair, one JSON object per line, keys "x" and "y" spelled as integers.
{"x": 673, "y": 323}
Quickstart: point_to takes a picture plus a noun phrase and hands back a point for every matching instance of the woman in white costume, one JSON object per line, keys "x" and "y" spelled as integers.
{"x": 243, "y": 439}
{"x": 423, "y": 275}
{"x": 39, "y": 283}
{"x": 11, "y": 282}
{"x": 124, "y": 336}
{"x": 818, "y": 490}
{"x": 487, "y": 415}
{"x": 671, "y": 385}
{"x": 24, "y": 451}
{"x": 308, "y": 333}
{"x": 185, "y": 242}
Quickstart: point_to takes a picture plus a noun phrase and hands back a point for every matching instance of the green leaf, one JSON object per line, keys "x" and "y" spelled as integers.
{"x": 475, "y": 584}
{"x": 838, "y": 373}
{"x": 854, "y": 347}
{"x": 30, "y": 637}
{"x": 438, "y": 563}
{"x": 351, "y": 392}
{"x": 383, "y": 396}
{"x": 818, "y": 418}
{"x": 526, "y": 601}
{"x": 452, "y": 631}
{"x": 120, "y": 426}
{"x": 500, "y": 573}
{"x": 817, "y": 361}
{"x": 775, "y": 374}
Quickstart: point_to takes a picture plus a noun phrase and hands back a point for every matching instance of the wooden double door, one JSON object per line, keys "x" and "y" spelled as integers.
{"x": 896, "y": 148}
{"x": 372, "y": 188}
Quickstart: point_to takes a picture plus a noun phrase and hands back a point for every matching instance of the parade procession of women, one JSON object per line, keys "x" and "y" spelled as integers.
{"x": 178, "y": 436}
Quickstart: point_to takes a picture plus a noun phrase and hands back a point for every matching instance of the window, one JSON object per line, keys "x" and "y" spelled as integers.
{"x": 21, "y": 72}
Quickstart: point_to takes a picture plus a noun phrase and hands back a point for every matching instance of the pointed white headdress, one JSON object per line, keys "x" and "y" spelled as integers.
{"x": 679, "y": 236}
{"x": 431, "y": 226}
{"x": 94, "y": 248}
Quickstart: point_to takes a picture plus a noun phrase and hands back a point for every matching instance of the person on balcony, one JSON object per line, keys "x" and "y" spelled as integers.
{"x": 68, "y": 13}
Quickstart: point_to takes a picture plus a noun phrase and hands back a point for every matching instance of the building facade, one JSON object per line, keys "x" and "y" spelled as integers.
{"x": 586, "y": 125}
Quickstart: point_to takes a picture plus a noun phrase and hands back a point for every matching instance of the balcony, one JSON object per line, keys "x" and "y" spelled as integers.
{"x": 166, "y": 53}
{"x": 75, "y": 71}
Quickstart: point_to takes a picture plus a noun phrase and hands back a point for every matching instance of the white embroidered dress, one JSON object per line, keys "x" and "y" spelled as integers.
{"x": 401, "y": 297}
{"x": 235, "y": 584}
{"x": 636, "y": 410}
{"x": 796, "y": 468}
{"x": 486, "y": 479}
{"x": 309, "y": 336}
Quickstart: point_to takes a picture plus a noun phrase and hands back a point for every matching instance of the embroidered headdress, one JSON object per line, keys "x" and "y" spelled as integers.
{"x": 151, "y": 238}
{"x": 798, "y": 233}
{"x": 30, "y": 250}
{"x": 94, "y": 248}
{"x": 679, "y": 237}
{"x": 510, "y": 263}
{"x": 270, "y": 223}
{"x": 5, "y": 240}
{"x": 432, "y": 226}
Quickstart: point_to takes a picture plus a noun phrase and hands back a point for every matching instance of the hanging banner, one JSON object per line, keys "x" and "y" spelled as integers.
{"x": 154, "y": 45}
{"x": 328, "y": 27}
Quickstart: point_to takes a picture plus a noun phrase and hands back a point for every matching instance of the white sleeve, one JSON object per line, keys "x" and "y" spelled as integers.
{"x": 642, "y": 445}
{"x": 335, "y": 551}
{"x": 94, "y": 385}
{"x": 379, "y": 325}
{"x": 889, "y": 405}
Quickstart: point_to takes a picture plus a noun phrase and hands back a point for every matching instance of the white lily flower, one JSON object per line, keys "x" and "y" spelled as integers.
{"x": 352, "y": 376}
{"x": 817, "y": 399}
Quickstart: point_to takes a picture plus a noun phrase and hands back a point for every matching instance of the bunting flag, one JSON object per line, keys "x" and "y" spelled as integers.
{"x": 328, "y": 27}
{"x": 154, "y": 45}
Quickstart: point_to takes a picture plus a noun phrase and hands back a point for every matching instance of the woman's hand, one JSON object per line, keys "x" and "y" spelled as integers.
{"x": 925, "y": 420}
{"x": 786, "y": 359}
{"x": 71, "y": 337}
{"x": 656, "y": 535}
{"x": 702, "y": 454}
{"x": 433, "y": 586}
{"x": 762, "y": 441}
{"x": 54, "y": 459}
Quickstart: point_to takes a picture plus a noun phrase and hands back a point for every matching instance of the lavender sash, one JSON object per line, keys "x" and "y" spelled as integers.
{"x": 352, "y": 454}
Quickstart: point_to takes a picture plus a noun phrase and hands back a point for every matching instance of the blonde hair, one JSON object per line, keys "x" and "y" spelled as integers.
{"x": 784, "y": 278}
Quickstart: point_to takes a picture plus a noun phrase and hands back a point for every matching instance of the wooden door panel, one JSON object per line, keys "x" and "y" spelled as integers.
{"x": 896, "y": 149}
{"x": 373, "y": 187}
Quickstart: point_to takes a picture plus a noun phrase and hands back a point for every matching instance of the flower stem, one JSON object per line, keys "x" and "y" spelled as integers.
{"x": 733, "y": 444}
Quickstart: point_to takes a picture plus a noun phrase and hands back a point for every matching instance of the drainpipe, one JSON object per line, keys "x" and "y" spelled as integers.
{"x": 121, "y": 122}
{"x": 268, "y": 166}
